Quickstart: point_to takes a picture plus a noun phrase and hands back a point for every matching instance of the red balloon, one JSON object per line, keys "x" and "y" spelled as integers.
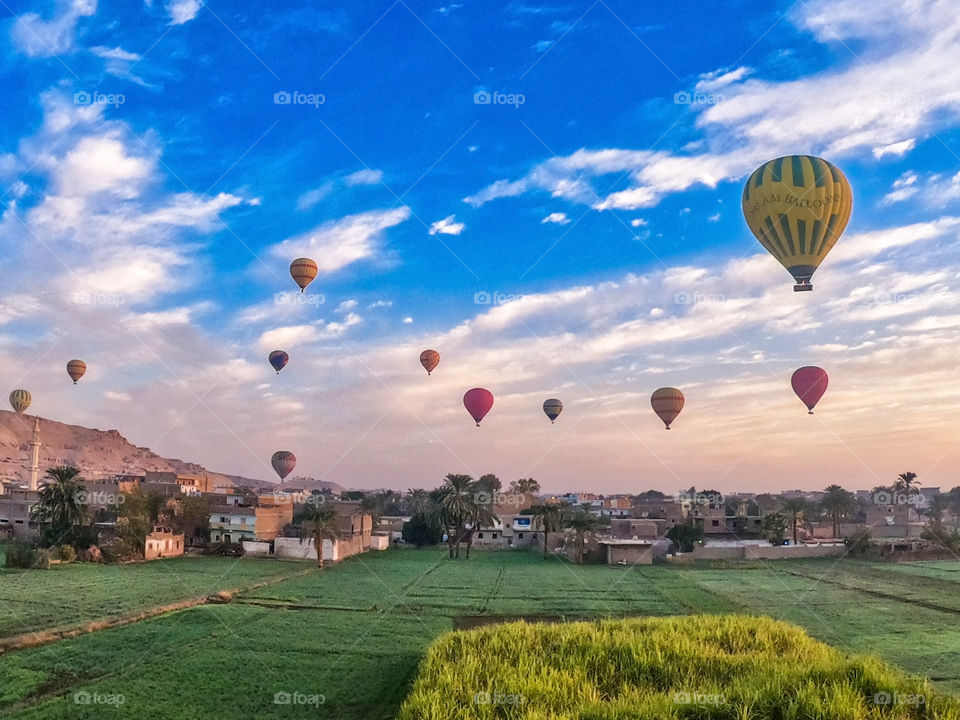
{"x": 810, "y": 383}
{"x": 478, "y": 402}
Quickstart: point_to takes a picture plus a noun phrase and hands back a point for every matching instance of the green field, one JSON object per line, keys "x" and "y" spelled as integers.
{"x": 68, "y": 595}
{"x": 355, "y": 633}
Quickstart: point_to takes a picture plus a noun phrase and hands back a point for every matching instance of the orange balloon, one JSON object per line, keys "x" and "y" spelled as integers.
{"x": 76, "y": 369}
{"x": 667, "y": 403}
{"x": 303, "y": 271}
{"x": 429, "y": 359}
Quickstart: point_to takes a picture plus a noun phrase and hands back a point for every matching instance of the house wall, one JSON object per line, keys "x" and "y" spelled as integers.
{"x": 379, "y": 542}
{"x": 254, "y": 548}
{"x": 270, "y": 521}
{"x": 162, "y": 545}
{"x": 783, "y": 552}
{"x": 636, "y": 555}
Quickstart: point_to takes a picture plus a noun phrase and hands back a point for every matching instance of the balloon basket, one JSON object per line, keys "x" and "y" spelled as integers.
{"x": 803, "y": 287}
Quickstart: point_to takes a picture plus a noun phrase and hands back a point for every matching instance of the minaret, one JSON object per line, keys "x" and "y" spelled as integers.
{"x": 35, "y": 460}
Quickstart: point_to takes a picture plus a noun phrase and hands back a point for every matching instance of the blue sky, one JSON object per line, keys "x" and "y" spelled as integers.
{"x": 154, "y": 192}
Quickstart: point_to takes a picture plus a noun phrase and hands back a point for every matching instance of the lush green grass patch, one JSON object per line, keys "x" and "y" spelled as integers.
{"x": 721, "y": 667}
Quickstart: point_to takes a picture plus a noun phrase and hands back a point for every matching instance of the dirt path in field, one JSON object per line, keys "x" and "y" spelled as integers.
{"x": 44, "y": 637}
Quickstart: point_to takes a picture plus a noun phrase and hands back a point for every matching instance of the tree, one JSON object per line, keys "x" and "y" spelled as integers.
{"x": 795, "y": 507}
{"x": 907, "y": 484}
{"x": 582, "y": 523}
{"x": 319, "y": 524}
{"x": 838, "y": 503}
{"x": 525, "y": 485}
{"x": 938, "y": 504}
{"x": 767, "y": 503}
{"x": 417, "y": 501}
{"x": 685, "y": 535}
{"x": 133, "y": 525}
{"x": 953, "y": 502}
{"x": 774, "y": 527}
{"x": 650, "y": 496}
{"x": 481, "y": 515}
{"x": 489, "y": 483}
{"x": 62, "y": 506}
{"x": 193, "y": 518}
{"x": 456, "y": 501}
{"x": 548, "y": 518}
{"x": 372, "y": 504}
{"x": 422, "y": 530}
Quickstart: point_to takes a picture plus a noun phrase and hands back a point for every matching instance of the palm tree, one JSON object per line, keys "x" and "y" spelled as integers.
{"x": 481, "y": 515}
{"x": 62, "y": 504}
{"x": 456, "y": 506}
{"x": 953, "y": 500}
{"x": 837, "y": 503}
{"x": 548, "y": 518}
{"x": 583, "y": 523}
{"x": 418, "y": 500}
{"x": 795, "y": 507}
{"x": 906, "y": 483}
{"x": 319, "y": 523}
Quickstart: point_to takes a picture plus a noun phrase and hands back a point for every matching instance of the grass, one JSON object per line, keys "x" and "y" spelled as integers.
{"x": 69, "y": 595}
{"x": 356, "y": 632}
{"x": 724, "y": 667}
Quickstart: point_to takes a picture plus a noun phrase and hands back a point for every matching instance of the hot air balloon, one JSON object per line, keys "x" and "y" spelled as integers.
{"x": 797, "y": 207}
{"x": 20, "y": 400}
{"x": 279, "y": 360}
{"x": 303, "y": 271}
{"x": 429, "y": 359}
{"x": 283, "y": 462}
{"x": 76, "y": 369}
{"x": 478, "y": 402}
{"x": 552, "y": 408}
{"x": 667, "y": 403}
{"x": 809, "y": 383}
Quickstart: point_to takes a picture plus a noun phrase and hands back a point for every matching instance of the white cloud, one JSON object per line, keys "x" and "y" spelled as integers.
{"x": 36, "y": 37}
{"x": 338, "y": 243}
{"x": 447, "y": 226}
{"x": 345, "y": 306}
{"x": 558, "y": 218}
{"x": 407, "y": 320}
{"x": 364, "y": 177}
{"x": 183, "y": 11}
{"x": 120, "y": 397}
{"x": 101, "y": 164}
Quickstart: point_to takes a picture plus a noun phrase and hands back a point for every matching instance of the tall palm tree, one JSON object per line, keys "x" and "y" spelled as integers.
{"x": 837, "y": 503}
{"x": 62, "y": 504}
{"x": 795, "y": 507}
{"x": 456, "y": 506}
{"x": 582, "y": 523}
{"x": 481, "y": 515}
{"x": 906, "y": 483}
{"x": 319, "y": 523}
{"x": 418, "y": 500}
{"x": 548, "y": 518}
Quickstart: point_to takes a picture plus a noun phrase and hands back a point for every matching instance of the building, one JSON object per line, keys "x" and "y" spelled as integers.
{"x": 234, "y": 523}
{"x": 627, "y": 552}
{"x": 620, "y": 506}
{"x": 15, "y": 507}
{"x": 189, "y": 484}
{"x": 162, "y": 542}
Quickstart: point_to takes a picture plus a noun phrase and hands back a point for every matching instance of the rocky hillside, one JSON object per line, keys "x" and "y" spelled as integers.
{"x": 98, "y": 453}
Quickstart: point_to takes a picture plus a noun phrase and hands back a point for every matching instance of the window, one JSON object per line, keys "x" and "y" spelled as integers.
{"x": 223, "y": 519}
{"x": 716, "y": 523}
{"x": 480, "y": 535}
{"x": 494, "y": 536}
{"x": 534, "y": 536}
{"x": 520, "y": 536}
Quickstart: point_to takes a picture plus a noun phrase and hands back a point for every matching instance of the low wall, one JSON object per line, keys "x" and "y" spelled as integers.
{"x": 379, "y": 542}
{"x": 294, "y": 548}
{"x": 252, "y": 548}
{"x": 712, "y": 552}
{"x": 784, "y": 552}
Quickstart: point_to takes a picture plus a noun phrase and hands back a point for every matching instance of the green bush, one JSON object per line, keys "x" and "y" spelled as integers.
{"x": 66, "y": 553}
{"x": 20, "y": 555}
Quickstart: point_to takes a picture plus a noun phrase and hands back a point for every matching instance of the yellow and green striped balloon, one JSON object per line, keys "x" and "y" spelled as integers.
{"x": 797, "y": 206}
{"x": 19, "y": 400}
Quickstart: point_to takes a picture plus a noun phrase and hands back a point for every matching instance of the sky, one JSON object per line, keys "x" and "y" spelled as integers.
{"x": 547, "y": 194}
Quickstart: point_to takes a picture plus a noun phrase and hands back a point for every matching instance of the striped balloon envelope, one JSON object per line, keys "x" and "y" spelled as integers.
{"x": 303, "y": 271}
{"x": 552, "y": 408}
{"x": 76, "y": 369}
{"x": 20, "y": 400}
{"x": 797, "y": 206}
{"x": 429, "y": 359}
{"x": 283, "y": 462}
{"x": 667, "y": 403}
